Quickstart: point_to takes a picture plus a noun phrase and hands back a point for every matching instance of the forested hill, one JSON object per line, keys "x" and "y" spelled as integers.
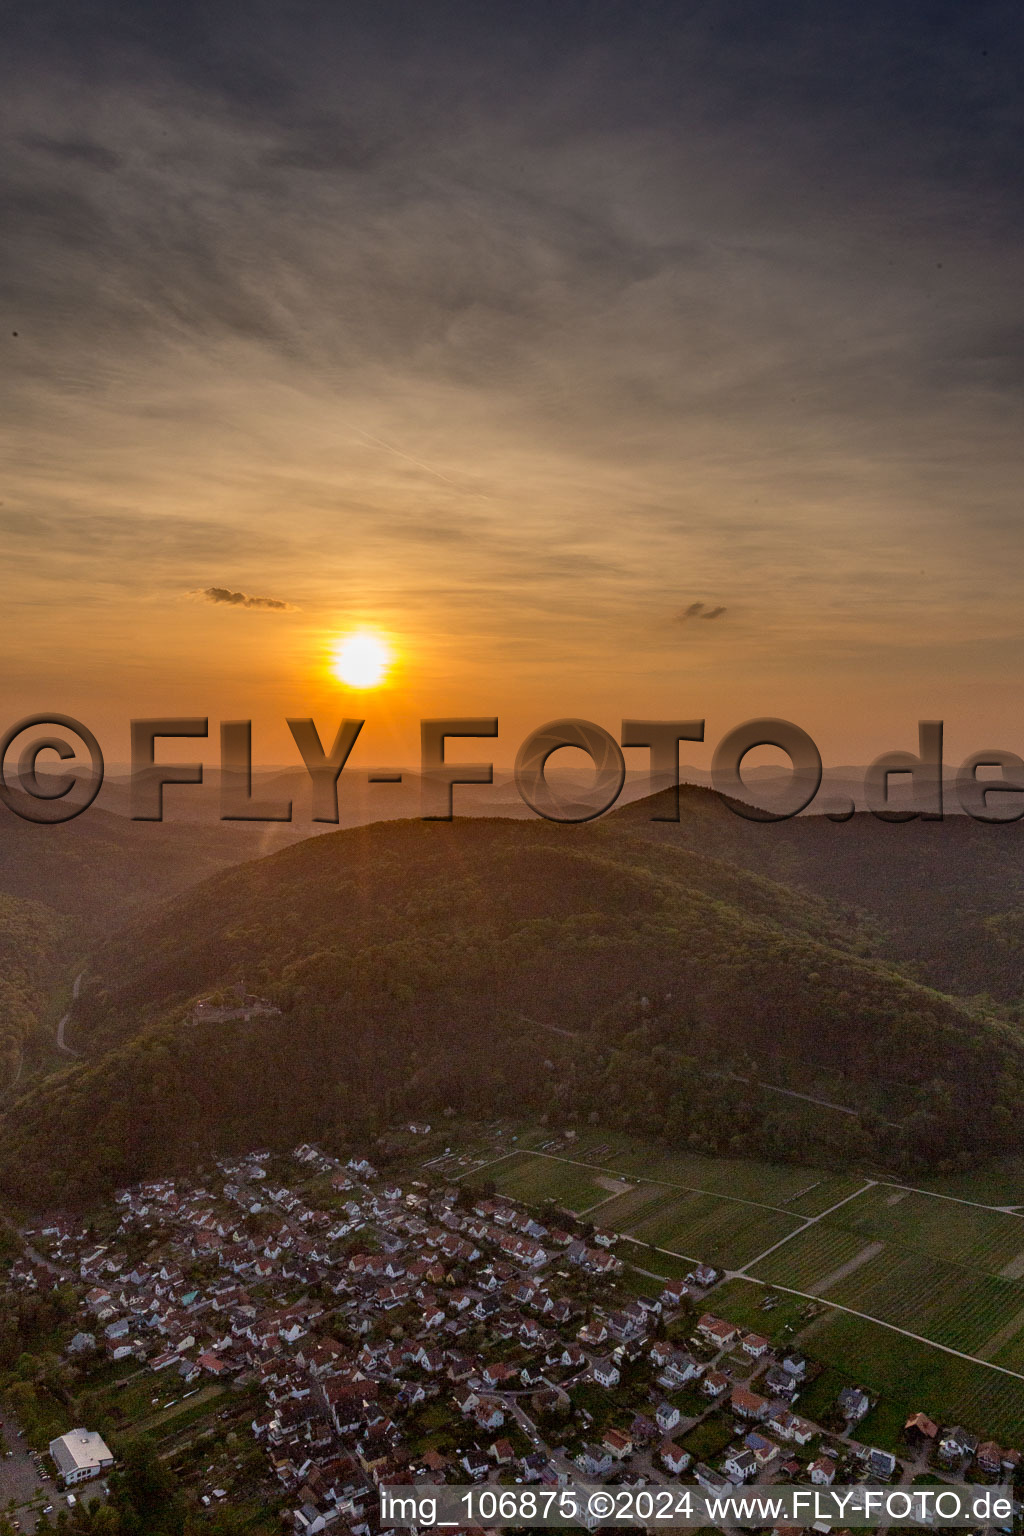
{"x": 100, "y": 868}
{"x": 31, "y": 941}
{"x": 497, "y": 964}
{"x": 948, "y": 896}
{"x": 64, "y": 887}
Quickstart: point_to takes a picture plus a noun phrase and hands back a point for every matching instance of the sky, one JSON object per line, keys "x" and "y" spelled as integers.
{"x": 609, "y": 359}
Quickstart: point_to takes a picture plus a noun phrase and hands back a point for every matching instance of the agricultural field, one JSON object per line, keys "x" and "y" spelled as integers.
{"x": 727, "y": 1233}
{"x": 720, "y": 1230}
{"x": 824, "y": 1193}
{"x": 813, "y": 1257}
{"x": 643, "y": 1202}
{"x": 904, "y": 1375}
{"x": 910, "y": 1376}
{"x": 763, "y": 1183}
{"x": 743, "y": 1303}
{"x": 961, "y": 1234}
{"x": 1000, "y": 1183}
{"x": 532, "y": 1179}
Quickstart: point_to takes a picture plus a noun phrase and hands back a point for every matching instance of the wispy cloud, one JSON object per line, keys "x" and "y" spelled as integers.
{"x": 698, "y": 611}
{"x": 242, "y": 599}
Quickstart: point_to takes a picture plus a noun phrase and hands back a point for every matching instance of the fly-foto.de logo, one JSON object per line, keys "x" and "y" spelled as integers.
{"x": 60, "y": 767}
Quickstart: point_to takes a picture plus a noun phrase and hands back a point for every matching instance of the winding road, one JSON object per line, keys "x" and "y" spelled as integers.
{"x": 62, "y": 1044}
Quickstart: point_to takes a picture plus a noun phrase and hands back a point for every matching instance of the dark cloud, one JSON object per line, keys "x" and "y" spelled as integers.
{"x": 80, "y": 151}
{"x": 698, "y": 611}
{"x": 243, "y": 599}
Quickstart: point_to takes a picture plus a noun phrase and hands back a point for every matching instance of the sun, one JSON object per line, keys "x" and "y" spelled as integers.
{"x": 360, "y": 660}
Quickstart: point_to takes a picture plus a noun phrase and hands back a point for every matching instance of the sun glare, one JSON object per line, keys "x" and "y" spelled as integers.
{"x": 360, "y": 660}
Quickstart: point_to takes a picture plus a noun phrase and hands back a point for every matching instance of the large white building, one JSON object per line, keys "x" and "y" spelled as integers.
{"x": 80, "y": 1455}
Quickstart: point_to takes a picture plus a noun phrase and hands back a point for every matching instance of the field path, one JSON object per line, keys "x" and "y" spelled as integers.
{"x": 1003, "y": 1335}
{"x": 880, "y": 1322}
{"x": 808, "y": 1221}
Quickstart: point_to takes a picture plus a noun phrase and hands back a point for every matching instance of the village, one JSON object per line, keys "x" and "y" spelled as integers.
{"x": 360, "y": 1326}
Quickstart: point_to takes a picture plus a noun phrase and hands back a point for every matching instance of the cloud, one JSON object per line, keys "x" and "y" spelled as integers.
{"x": 698, "y": 611}
{"x": 243, "y": 599}
{"x": 82, "y": 151}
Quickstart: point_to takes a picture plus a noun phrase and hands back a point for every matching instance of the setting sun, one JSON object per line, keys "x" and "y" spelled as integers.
{"x": 360, "y": 660}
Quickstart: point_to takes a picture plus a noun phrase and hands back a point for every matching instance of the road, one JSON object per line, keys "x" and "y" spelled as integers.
{"x": 33, "y": 1253}
{"x": 62, "y": 1044}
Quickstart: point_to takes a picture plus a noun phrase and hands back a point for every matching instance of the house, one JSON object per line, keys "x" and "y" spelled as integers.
{"x": 823, "y": 1471}
{"x": 643, "y": 1431}
{"x": 710, "y": 1480}
{"x": 674, "y": 1457}
{"x": 666, "y": 1416}
{"x": 881, "y": 1463}
{"x": 957, "y": 1443}
{"x": 853, "y": 1404}
{"x": 476, "y": 1464}
{"x": 788, "y": 1426}
{"x": 605, "y": 1373}
{"x": 749, "y": 1405}
{"x": 594, "y": 1460}
{"x": 780, "y": 1383}
{"x": 680, "y": 1367}
{"x": 214, "y": 1364}
{"x": 740, "y": 1466}
{"x": 716, "y": 1331}
{"x": 919, "y": 1428}
{"x": 489, "y": 1414}
{"x": 705, "y": 1275}
{"x": 617, "y": 1443}
{"x": 502, "y": 1452}
{"x": 499, "y": 1374}
{"x": 988, "y": 1458}
{"x": 674, "y": 1293}
{"x": 714, "y": 1384}
{"x": 755, "y": 1345}
{"x": 762, "y": 1449}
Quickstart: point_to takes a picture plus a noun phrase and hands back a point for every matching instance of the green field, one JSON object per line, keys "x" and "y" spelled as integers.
{"x": 811, "y": 1257}
{"x": 536, "y": 1179}
{"x": 913, "y": 1376}
{"x": 961, "y": 1234}
{"x": 826, "y": 1192}
{"x": 1000, "y": 1183}
{"x": 763, "y": 1183}
{"x": 727, "y": 1233}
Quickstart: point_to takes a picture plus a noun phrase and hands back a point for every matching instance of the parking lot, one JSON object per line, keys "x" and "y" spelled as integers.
{"x": 19, "y": 1475}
